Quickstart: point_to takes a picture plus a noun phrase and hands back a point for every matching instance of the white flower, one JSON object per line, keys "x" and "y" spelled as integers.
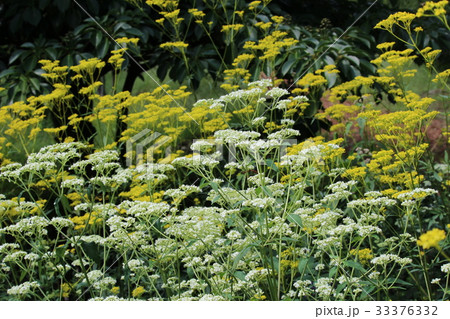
{"x": 233, "y": 136}
{"x": 374, "y": 275}
{"x": 287, "y": 122}
{"x": 59, "y": 222}
{"x": 263, "y": 83}
{"x": 202, "y": 145}
{"x": 23, "y": 288}
{"x": 233, "y": 235}
{"x": 209, "y": 297}
{"x": 260, "y": 179}
{"x": 15, "y": 256}
{"x": 300, "y": 98}
{"x": 445, "y": 268}
{"x": 435, "y": 281}
{"x": 320, "y": 267}
{"x": 259, "y": 121}
{"x": 277, "y": 92}
{"x": 74, "y": 183}
{"x": 135, "y": 264}
{"x": 283, "y": 134}
{"x": 260, "y": 202}
{"x": 282, "y": 104}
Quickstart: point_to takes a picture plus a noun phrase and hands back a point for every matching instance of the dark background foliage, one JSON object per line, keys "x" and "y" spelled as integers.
{"x": 31, "y": 30}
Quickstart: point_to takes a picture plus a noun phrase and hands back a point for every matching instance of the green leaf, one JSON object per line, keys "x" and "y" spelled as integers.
{"x": 353, "y": 59}
{"x": 239, "y": 275}
{"x": 93, "y": 251}
{"x": 331, "y": 78}
{"x": 242, "y": 254}
{"x": 305, "y": 264}
{"x": 293, "y": 218}
{"x": 288, "y": 65}
{"x": 121, "y": 25}
{"x": 32, "y": 15}
{"x": 52, "y": 53}
{"x": 63, "y": 5}
{"x": 355, "y": 265}
{"x": 7, "y": 72}
{"x": 35, "y": 83}
{"x": 15, "y": 55}
{"x": 103, "y": 48}
{"x": 60, "y": 251}
{"x": 30, "y": 64}
{"x": 272, "y": 165}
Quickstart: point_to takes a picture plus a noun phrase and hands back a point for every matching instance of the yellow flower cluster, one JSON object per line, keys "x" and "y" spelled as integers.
{"x": 177, "y": 44}
{"x": 116, "y": 59}
{"x": 401, "y": 19}
{"x": 87, "y": 68}
{"x": 430, "y": 9}
{"x": 87, "y": 219}
{"x": 125, "y": 40}
{"x": 234, "y": 27}
{"x": 54, "y": 72}
{"x": 431, "y": 238}
{"x": 393, "y": 168}
{"x": 271, "y": 45}
{"x": 197, "y": 14}
{"x": 364, "y": 255}
{"x": 163, "y": 4}
{"x": 138, "y": 291}
{"x": 400, "y": 130}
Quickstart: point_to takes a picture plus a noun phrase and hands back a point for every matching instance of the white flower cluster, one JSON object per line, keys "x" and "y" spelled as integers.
{"x": 210, "y": 103}
{"x": 34, "y": 225}
{"x": 283, "y": 134}
{"x": 144, "y": 209}
{"x": 263, "y": 83}
{"x": 23, "y": 288}
{"x": 259, "y": 121}
{"x": 417, "y": 193}
{"x": 446, "y": 268}
{"x": 199, "y": 162}
{"x": 385, "y": 259}
{"x": 373, "y": 202}
{"x": 276, "y": 92}
{"x": 182, "y": 191}
{"x": 243, "y": 95}
{"x": 102, "y": 162}
{"x": 74, "y": 183}
{"x": 260, "y": 202}
{"x": 232, "y": 136}
{"x": 202, "y": 145}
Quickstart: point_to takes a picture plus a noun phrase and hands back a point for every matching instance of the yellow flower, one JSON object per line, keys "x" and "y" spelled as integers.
{"x": 401, "y": 19}
{"x": 235, "y": 27}
{"x": 198, "y": 15}
{"x": 364, "y": 255}
{"x": 252, "y": 5}
{"x": 431, "y": 238}
{"x": 277, "y": 19}
{"x": 65, "y": 288}
{"x": 138, "y": 291}
{"x": 178, "y": 45}
{"x": 115, "y": 290}
{"x": 125, "y": 40}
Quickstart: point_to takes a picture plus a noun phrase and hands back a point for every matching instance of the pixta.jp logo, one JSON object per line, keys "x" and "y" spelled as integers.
{"x": 142, "y": 147}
